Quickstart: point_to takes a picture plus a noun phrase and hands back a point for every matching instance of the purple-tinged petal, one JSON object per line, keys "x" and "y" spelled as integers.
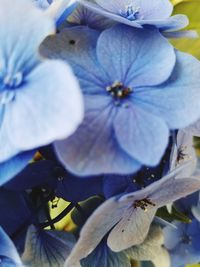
{"x": 138, "y": 131}
{"x": 93, "y": 148}
{"x": 131, "y": 57}
{"x": 183, "y": 151}
{"x": 132, "y": 229}
{"x": 169, "y": 189}
{"x": 32, "y": 120}
{"x": 177, "y": 100}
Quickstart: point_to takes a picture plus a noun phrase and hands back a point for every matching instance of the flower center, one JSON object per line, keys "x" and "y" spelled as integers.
{"x": 10, "y": 82}
{"x": 131, "y": 13}
{"x": 143, "y": 204}
{"x": 13, "y": 81}
{"x": 186, "y": 239}
{"x": 119, "y": 91}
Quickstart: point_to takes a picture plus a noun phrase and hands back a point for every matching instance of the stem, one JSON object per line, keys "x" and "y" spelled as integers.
{"x": 61, "y": 9}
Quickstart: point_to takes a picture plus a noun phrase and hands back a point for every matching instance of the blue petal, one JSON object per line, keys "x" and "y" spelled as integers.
{"x": 18, "y": 52}
{"x": 177, "y": 100}
{"x": 32, "y": 120}
{"x": 77, "y": 46}
{"x": 133, "y": 57}
{"x": 93, "y": 148}
{"x": 13, "y": 166}
{"x": 8, "y": 252}
{"x": 141, "y": 134}
{"x": 174, "y": 23}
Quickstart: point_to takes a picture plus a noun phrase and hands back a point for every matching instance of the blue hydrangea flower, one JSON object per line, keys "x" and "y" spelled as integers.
{"x": 136, "y": 88}
{"x": 8, "y": 253}
{"x": 183, "y": 243}
{"x": 131, "y": 215}
{"x": 36, "y": 97}
{"x": 140, "y": 13}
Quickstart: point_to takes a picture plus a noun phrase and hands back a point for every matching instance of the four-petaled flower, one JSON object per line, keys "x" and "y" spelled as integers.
{"x": 136, "y": 88}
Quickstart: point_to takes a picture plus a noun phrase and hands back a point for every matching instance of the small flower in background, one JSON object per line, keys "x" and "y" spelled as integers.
{"x": 182, "y": 241}
{"x": 132, "y": 98}
{"x": 28, "y": 119}
{"x": 131, "y": 215}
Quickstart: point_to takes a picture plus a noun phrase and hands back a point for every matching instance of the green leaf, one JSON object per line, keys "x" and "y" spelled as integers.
{"x": 174, "y": 215}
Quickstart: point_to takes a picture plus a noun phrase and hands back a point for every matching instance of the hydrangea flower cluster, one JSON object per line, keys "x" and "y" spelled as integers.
{"x": 98, "y": 113}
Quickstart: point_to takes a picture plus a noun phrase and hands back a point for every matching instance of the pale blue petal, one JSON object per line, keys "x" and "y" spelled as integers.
{"x": 93, "y": 148}
{"x": 181, "y": 34}
{"x": 133, "y": 58}
{"x": 175, "y": 22}
{"x": 177, "y": 100}
{"x": 48, "y": 107}
{"x": 141, "y": 134}
{"x": 77, "y": 46}
{"x": 13, "y": 166}
{"x": 168, "y": 189}
{"x": 21, "y": 36}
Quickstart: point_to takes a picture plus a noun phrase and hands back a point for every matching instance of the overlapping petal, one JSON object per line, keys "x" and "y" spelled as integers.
{"x": 28, "y": 122}
{"x": 136, "y": 56}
